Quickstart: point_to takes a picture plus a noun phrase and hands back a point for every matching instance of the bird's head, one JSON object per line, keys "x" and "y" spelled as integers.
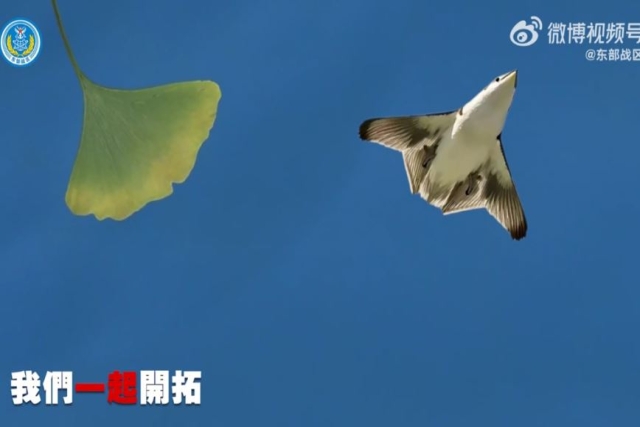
{"x": 499, "y": 93}
{"x": 487, "y": 111}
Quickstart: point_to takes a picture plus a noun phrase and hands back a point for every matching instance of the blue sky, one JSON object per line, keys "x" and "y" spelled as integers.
{"x": 294, "y": 268}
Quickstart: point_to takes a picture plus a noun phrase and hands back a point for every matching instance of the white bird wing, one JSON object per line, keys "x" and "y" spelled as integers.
{"x": 502, "y": 200}
{"x": 410, "y": 135}
{"x": 495, "y": 191}
{"x": 460, "y": 199}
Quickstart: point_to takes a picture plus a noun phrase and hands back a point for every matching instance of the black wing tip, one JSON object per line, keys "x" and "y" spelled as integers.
{"x": 518, "y": 235}
{"x": 365, "y": 127}
{"x": 519, "y": 232}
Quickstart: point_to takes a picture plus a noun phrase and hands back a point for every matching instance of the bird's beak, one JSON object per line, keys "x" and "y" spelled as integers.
{"x": 513, "y": 76}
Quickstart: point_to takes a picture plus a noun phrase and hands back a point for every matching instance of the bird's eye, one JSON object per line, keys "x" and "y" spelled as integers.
{"x": 497, "y": 79}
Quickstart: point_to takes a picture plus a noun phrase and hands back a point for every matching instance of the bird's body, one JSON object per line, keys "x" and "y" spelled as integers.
{"x": 455, "y": 160}
{"x": 456, "y": 157}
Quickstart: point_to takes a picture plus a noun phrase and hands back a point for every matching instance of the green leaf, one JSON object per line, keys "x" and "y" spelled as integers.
{"x": 136, "y": 143}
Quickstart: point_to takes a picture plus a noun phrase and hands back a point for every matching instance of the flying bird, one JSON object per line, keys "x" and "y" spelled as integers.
{"x": 455, "y": 160}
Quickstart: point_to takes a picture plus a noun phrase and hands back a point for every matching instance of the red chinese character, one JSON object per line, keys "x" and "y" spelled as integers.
{"x": 122, "y": 388}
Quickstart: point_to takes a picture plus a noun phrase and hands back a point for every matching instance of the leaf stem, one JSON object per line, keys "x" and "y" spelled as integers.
{"x": 67, "y": 46}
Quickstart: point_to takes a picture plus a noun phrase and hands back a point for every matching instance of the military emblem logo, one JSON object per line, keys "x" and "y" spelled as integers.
{"x": 20, "y": 42}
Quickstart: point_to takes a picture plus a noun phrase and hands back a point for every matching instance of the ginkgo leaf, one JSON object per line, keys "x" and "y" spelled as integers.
{"x": 136, "y": 144}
